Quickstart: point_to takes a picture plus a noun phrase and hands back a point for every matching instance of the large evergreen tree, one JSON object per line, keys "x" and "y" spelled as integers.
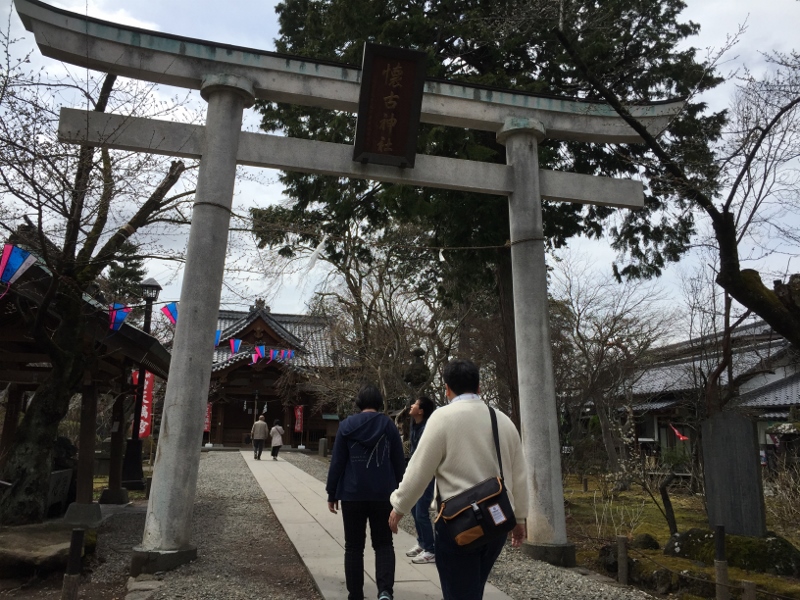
{"x": 633, "y": 48}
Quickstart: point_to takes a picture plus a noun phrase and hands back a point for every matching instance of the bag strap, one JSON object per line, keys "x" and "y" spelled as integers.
{"x": 496, "y": 440}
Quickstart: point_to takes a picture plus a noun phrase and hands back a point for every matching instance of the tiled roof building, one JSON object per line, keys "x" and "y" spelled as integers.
{"x": 764, "y": 368}
{"x": 245, "y": 384}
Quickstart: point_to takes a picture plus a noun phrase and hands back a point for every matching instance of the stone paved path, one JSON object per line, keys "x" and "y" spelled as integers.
{"x": 300, "y": 503}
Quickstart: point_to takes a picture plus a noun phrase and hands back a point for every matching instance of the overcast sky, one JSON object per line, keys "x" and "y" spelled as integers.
{"x": 771, "y": 25}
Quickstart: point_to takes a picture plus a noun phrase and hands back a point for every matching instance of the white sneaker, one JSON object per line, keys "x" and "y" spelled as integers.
{"x": 414, "y": 551}
{"x": 424, "y": 558}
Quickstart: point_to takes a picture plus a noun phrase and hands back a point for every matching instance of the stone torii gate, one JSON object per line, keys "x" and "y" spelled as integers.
{"x": 230, "y": 78}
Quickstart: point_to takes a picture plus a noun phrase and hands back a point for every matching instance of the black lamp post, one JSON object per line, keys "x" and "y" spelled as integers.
{"x": 132, "y": 474}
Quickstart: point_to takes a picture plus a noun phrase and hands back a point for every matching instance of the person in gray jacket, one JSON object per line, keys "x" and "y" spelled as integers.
{"x": 259, "y": 436}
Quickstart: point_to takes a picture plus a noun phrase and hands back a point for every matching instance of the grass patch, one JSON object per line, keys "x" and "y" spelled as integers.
{"x": 597, "y": 516}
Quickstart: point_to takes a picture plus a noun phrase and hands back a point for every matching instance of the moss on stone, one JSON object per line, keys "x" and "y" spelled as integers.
{"x": 653, "y": 577}
{"x": 771, "y": 554}
{"x": 645, "y": 541}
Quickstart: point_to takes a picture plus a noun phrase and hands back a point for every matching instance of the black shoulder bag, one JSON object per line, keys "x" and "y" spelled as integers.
{"x": 481, "y": 513}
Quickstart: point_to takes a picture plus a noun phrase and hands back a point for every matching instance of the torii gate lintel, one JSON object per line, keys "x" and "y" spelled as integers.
{"x": 326, "y": 158}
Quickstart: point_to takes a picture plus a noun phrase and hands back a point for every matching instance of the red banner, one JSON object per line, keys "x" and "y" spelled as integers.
{"x": 207, "y": 426}
{"x": 146, "y": 420}
{"x": 298, "y": 419}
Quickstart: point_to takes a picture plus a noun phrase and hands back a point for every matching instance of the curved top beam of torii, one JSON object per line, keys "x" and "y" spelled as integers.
{"x": 184, "y": 62}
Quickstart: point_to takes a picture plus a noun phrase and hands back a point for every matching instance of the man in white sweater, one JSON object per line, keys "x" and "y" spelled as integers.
{"x": 458, "y": 450}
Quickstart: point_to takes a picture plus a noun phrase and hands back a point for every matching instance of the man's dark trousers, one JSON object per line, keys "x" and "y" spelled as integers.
{"x": 463, "y": 573}
{"x": 355, "y": 515}
{"x": 258, "y": 446}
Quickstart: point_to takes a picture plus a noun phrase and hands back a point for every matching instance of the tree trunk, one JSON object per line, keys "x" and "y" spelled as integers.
{"x": 669, "y": 512}
{"x": 745, "y": 285}
{"x": 13, "y": 407}
{"x": 86, "y": 444}
{"x": 696, "y": 481}
{"x": 608, "y": 440}
{"x": 117, "y": 449}
{"x": 29, "y": 463}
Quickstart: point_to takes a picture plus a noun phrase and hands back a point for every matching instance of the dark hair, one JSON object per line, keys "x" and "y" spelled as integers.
{"x": 277, "y": 422}
{"x": 369, "y": 397}
{"x": 427, "y": 405}
{"x": 462, "y": 376}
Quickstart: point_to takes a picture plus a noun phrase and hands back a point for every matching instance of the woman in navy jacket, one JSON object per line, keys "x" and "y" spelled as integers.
{"x": 366, "y": 467}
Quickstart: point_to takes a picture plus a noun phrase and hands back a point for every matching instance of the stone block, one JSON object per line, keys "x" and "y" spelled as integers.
{"x": 559, "y": 555}
{"x": 28, "y": 549}
{"x": 58, "y": 491}
{"x": 87, "y": 515}
{"x": 153, "y": 561}
{"x": 143, "y": 584}
{"x": 109, "y": 496}
{"x": 102, "y": 462}
{"x": 734, "y": 493}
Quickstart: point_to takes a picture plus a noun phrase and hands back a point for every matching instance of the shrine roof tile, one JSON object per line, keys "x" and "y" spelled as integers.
{"x": 310, "y": 334}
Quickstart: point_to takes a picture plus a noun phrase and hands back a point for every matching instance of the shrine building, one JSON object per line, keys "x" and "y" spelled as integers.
{"x": 266, "y": 363}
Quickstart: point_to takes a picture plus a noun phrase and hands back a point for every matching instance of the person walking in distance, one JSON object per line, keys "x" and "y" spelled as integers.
{"x": 259, "y": 435}
{"x": 276, "y": 433}
{"x": 423, "y": 551}
{"x": 366, "y": 465}
{"x": 458, "y": 448}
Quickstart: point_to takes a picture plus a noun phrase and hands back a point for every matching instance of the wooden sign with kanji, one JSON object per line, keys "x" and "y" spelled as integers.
{"x": 392, "y": 82}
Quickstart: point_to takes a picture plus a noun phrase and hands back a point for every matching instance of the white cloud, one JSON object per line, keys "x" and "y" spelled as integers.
{"x": 108, "y": 11}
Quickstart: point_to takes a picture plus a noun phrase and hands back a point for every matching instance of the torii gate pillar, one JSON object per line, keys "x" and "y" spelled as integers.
{"x": 547, "y": 534}
{"x": 168, "y": 529}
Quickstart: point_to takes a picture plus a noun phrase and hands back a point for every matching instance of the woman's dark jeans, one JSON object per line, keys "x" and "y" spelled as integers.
{"x": 355, "y": 515}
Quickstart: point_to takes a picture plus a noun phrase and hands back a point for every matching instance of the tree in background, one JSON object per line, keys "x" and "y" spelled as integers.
{"x": 634, "y": 48}
{"x": 378, "y": 307}
{"x": 611, "y": 331}
{"x": 124, "y": 274}
{"x": 748, "y": 197}
{"x": 76, "y": 208}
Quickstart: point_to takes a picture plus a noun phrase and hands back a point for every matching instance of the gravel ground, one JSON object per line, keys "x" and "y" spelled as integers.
{"x": 246, "y": 554}
{"x": 518, "y": 576}
{"x": 244, "y": 551}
